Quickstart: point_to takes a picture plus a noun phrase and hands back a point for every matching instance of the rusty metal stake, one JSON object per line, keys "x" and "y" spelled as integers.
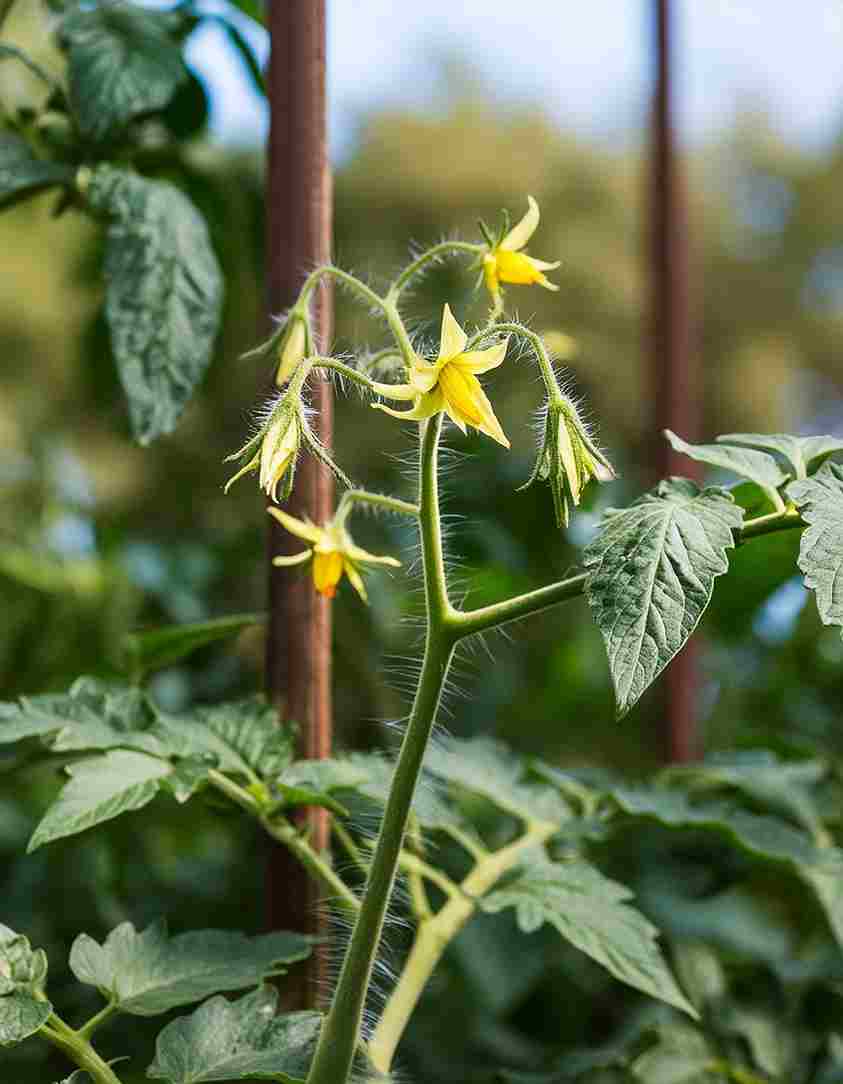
{"x": 298, "y": 237}
{"x": 675, "y": 387}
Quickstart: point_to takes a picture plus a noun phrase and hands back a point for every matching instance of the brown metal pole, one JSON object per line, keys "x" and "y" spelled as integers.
{"x": 676, "y": 390}
{"x": 298, "y": 237}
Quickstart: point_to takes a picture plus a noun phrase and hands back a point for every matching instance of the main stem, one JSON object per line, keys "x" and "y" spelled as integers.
{"x": 77, "y": 1048}
{"x": 334, "y": 1056}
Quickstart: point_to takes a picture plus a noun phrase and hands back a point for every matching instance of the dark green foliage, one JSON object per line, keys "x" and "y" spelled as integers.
{"x": 163, "y": 296}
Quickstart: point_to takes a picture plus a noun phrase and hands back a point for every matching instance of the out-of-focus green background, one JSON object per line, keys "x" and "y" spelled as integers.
{"x": 98, "y": 536}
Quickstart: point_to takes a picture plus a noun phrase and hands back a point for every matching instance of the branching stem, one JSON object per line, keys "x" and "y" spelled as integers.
{"x": 435, "y": 934}
{"x": 78, "y": 1049}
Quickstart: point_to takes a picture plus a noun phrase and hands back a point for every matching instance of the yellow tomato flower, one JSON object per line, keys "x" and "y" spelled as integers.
{"x": 332, "y": 554}
{"x": 505, "y": 262}
{"x": 450, "y": 384}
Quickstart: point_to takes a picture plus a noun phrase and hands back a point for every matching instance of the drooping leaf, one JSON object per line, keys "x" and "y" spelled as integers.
{"x": 23, "y": 973}
{"x": 123, "y": 62}
{"x": 154, "y": 649}
{"x": 801, "y": 453}
{"x": 240, "y": 1040}
{"x": 91, "y": 715}
{"x": 783, "y": 785}
{"x": 147, "y": 973}
{"x": 594, "y": 914}
{"x": 763, "y": 837}
{"x": 820, "y": 502}
{"x": 244, "y": 735}
{"x": 100, "y": 789}
{"x": 651, "y": 573}
{"x": 163, "y": 297}
{"x": 22, "y": 174}
{"x": 756, "y": 466}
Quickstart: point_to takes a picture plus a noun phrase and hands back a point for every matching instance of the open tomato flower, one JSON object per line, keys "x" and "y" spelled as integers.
{"x": 450, "y": 384}
{"x": 331, "y": 554}
{"x": 505, "y": 262}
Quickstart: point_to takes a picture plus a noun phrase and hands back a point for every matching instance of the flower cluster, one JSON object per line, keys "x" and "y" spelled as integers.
{"x": 448, "y": 384}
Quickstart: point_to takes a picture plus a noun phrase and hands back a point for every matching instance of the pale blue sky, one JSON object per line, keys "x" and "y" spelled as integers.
{"x": 586, "y": 63}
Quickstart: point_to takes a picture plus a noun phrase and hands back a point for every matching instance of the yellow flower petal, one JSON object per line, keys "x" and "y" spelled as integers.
{"x": 522, "y": 231}
{"x": 423, "y": 376}
{"x": 303, "y": 529}
{"x": 355, "y": 579}
{"x": 363, "y": 557}
{"x": 401, "y": 392}
{"x": 467, "y": 404}
{"x": 543, "y": 265}
{"x": 517, "y": 268}
{"x": 481, "y": 361}
{"x": 425, "y": 407}
{"x": 288, "y": 561}
{"x": 327, "y": 572}
{"x": 453, "y": 339}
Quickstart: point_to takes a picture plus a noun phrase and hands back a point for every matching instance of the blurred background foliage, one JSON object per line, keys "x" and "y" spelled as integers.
{"x": 99, "y": 537}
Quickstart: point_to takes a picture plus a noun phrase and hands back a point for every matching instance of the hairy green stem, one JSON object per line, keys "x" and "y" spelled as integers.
{"x": 354, "y": 284}
{"x": 467, "y": 623}
{"x": 332, "y": 1062}
{"x": 77, "y": 1048}
{"x": 96, "y": 1021}
{"x": 313, "y": 862}
{"x": 786, "y": 520}
{"x": 377, "y": 500}
{"x": 535, "y": 341}
{"x": 435, "y": 934}
{"x": 283, "y": 832}
{"x": 435, "y": 253}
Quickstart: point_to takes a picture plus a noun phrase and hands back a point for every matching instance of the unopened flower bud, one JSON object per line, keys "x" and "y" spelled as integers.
{"x": 274, "y": 449}
{"x": 568, "y": 458}
{"x": 292, "y": 349}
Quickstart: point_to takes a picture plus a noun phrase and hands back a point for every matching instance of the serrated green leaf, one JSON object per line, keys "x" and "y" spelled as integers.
{"x": 154, "y": 649}
{"x": 163, "y": 297}
{"x": 820, "y": 503}
{"x": 188, "y": 777}
{"x": 100, "y": 789}
{"x": 21, "y": 1015}
{"x": 147, "y": 973}
{"x": 490, "y": 769}
{"x": 22, "y": 174}
{"x": 240, "y": 1040}
{"x": 801, "y": 453}
{"x": 122, "y": 63}
{"x": 91, "y": 715}
{"x": 756, "y": 466}
{"x": 243, "y": 735}
{"x": 594, "y": 914}
{"x": 651, "y": 573}
{"x": 763, "y": 837}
